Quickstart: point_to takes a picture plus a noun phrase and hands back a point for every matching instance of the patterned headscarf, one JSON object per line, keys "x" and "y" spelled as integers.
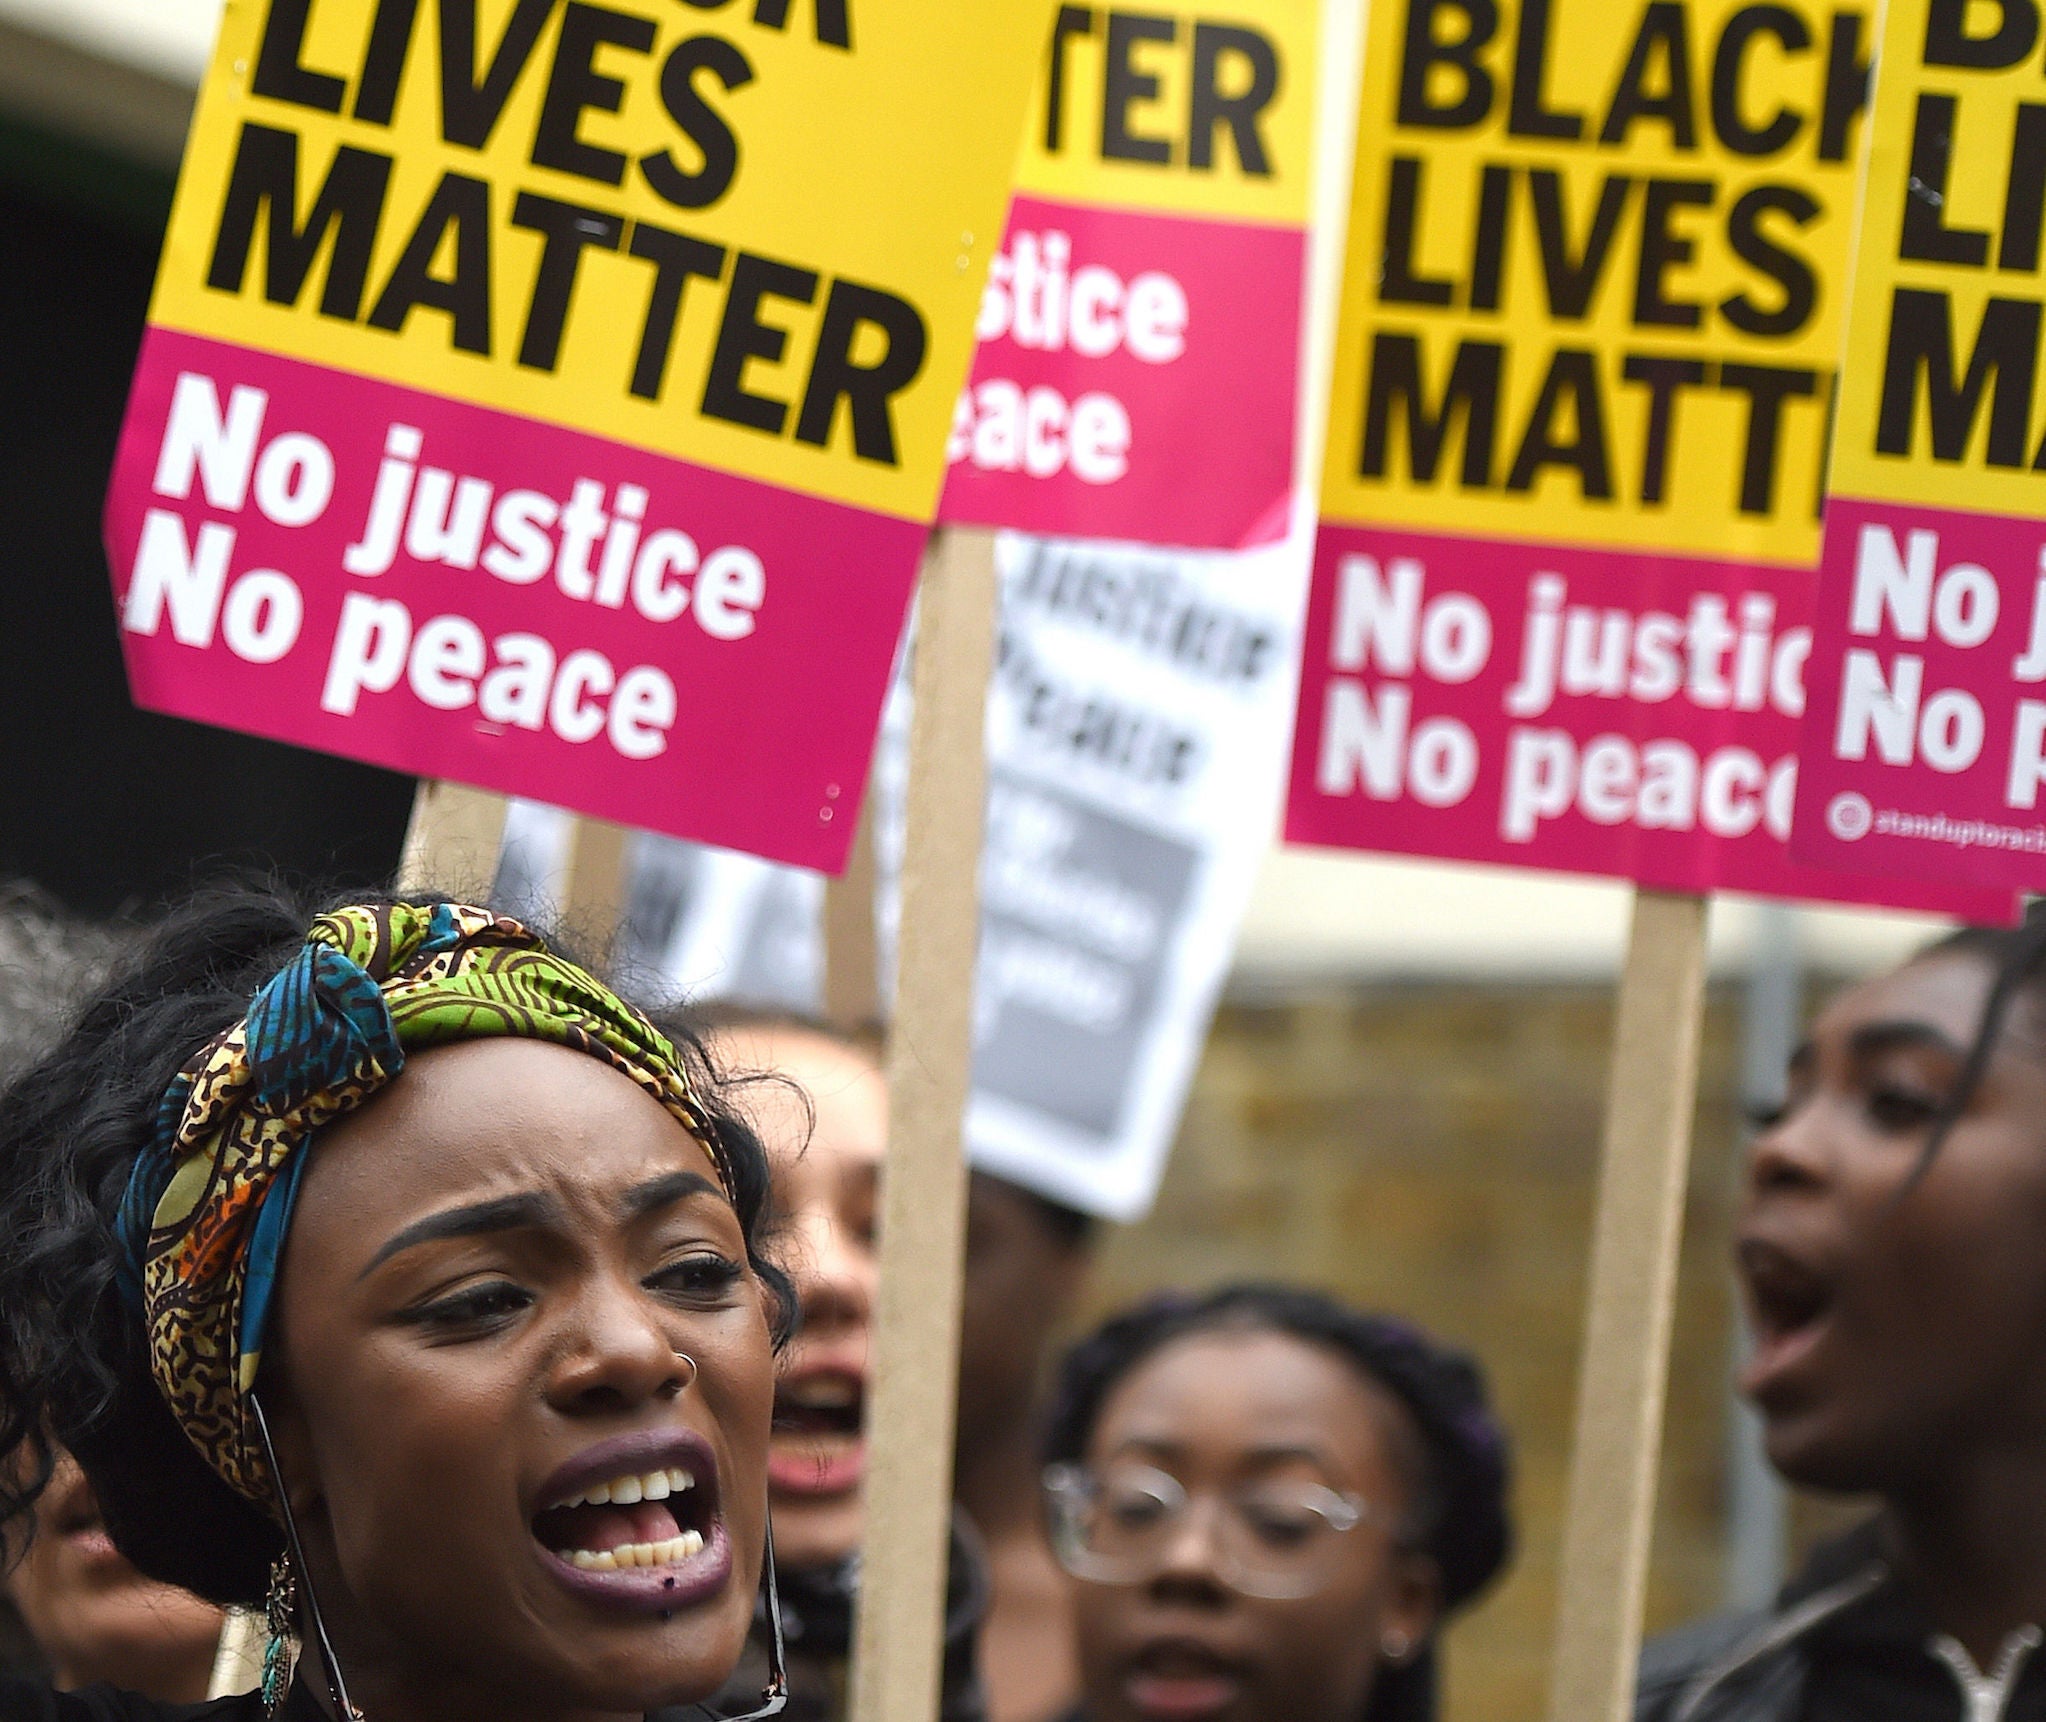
{"x": 210, "y": 1199}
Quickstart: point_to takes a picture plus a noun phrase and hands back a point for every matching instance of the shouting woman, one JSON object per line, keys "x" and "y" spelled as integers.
{"x": 392, "y": 1274}
{"x": 1890, "y": 1251}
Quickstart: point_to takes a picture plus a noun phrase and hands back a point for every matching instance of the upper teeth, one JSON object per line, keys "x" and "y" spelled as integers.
{"x": 625, "y": 1491}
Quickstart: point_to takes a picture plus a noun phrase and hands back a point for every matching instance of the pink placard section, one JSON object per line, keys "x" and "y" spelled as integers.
{"x": 1135, "y": 380}
{"x": 1926, "y": 739}
{"x": 1586, "y": 711}
{"x": 399, "y": 578}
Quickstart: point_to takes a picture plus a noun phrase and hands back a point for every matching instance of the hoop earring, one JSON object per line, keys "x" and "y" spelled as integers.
{"x": 337, "y": 1686}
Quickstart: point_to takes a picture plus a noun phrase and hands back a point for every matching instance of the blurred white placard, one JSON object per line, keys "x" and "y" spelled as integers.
{"x": 1137, "y": 727}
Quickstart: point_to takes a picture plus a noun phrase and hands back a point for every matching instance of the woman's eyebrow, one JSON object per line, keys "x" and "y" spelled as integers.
{"x": 665, "y": 1191}
{"x": 1872, "y": 1039}
{"x": 1151, "y": 1444}
{"x": 501, "y": 1214}
{"x": 1288, "y": 1452}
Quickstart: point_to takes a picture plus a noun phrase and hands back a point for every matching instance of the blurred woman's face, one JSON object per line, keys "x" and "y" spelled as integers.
{"x": 94, "y": 1617}
{"x": 1896, "y": 1329}
{"x": 827, "y": 1197}
{"x": 1235, "y": 1418}
{"x": 524, "y": 1384}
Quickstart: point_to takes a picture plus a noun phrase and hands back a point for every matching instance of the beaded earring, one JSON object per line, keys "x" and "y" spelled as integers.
{"x": 280, "y": 1655}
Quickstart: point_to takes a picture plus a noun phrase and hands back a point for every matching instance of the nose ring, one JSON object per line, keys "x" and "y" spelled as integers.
{"x": 684, "y": 1357}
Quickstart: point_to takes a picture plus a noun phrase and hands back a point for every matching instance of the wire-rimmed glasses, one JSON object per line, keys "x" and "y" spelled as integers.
{"x": 1278, "y": 1539}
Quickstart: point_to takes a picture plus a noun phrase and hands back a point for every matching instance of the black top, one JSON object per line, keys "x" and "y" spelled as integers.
{"x": 31, "y": 1701}
{"x": 1846, "y": 1642}
{"x": 1876, "y": 1663}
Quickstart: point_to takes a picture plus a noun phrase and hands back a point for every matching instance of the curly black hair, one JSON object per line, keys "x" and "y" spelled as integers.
{"x": 74, "y": 1369}
{"x": 1458, "y": 1515}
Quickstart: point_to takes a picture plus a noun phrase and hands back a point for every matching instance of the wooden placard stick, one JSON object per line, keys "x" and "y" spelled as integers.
{"x": 593, "y": 890}
{"x": 1625, "y": 1364}
{"x": 898, "y": 1629}
{"x": 852, "y": 988}
{"x": 453, "y": 840}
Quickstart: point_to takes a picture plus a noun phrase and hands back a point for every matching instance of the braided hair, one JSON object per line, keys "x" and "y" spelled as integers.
{"x": 1458, "y": 1514}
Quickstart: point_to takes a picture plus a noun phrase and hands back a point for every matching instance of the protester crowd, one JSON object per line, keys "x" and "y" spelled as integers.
{"x": 398, "y": 1318}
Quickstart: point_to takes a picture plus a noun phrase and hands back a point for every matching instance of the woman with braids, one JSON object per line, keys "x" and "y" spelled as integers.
{"x": 1892, "y": 1248}
{"x": 387, "y": 1271}
{"x": 1269, "y": 1502}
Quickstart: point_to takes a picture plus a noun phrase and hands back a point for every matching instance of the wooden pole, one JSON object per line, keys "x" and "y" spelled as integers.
{"x": 898, "y": 1629}
{"x": 593, "y": 892}
{"x": 452, "y": 842}
{"x": 852, "y": 987}
{"x": 1625, "y": 1364}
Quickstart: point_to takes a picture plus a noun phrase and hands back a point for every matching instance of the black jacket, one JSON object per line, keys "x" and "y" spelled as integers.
{"x": 25, "y": 1700}
{"x": 1844, "y": 1643}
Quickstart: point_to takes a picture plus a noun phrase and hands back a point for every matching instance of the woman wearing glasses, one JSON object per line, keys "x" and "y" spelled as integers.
{"x": 1269, "y": 1503}
{"x": 394, "y": 1274}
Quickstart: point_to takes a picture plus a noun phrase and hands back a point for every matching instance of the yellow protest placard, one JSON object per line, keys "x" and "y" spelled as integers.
{"x": 1197, "y": 110}
{"x": 1940, "y": 406}
{"x": 552, "y": 395}
{"x": 1594, "y": 285}
{"x": 748, "y": 234}
{"x": 1152, "y": 270}
{"x": 1925, "y": 744}
{"x": 1570, "y": 520}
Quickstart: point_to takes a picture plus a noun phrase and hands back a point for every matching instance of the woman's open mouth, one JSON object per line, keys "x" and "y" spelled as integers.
{"x": 1788, "y": 1302}
{"x": 635, "y": 1523}
{"x": 818, "y": 1447}
{"x": 1180, "y": 1680}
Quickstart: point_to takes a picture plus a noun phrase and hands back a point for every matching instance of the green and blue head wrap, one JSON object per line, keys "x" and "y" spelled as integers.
{"x": 210, "y": 1199}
